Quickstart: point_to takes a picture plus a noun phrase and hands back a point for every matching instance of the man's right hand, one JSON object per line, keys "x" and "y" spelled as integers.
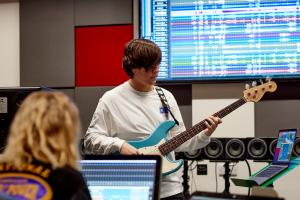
{"x": 127, "y": 149}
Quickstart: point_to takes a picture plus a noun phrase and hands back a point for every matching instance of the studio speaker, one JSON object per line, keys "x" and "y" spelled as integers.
{"x": 219, "y": 149}
{"x": 296, "y": 148}
{"x": 214, "y": 150}
{"x": 235, "y": 149}
{"x": 194, "y": 155}
{"x": 225, "y": 149}
{"x": 272, "y": 147}
{"x": 261, "y": 149}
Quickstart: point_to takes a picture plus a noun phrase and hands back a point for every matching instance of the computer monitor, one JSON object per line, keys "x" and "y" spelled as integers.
{"x": 223, "y": 40}
{"x": 10, "y": 100}
{"x": 122, "y": 177}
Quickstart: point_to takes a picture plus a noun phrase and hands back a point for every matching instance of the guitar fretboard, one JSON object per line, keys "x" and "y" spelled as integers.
{"x": 176, "y": 141}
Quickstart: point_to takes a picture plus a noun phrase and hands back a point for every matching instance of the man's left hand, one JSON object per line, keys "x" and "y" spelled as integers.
{"x": 211, "y": 123}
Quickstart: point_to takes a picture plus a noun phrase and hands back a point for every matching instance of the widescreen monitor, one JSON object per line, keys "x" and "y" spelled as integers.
{"x": 220, "y": 40}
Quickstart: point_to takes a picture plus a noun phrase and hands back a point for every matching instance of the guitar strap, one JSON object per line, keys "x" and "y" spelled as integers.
{"x": 165, "y": 103}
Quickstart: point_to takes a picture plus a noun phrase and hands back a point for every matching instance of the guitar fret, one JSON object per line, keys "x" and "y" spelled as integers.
{"x": 176, "y": 141}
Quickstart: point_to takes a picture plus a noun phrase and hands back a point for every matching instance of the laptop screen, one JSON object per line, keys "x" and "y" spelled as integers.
{"x": 122, "y": 177}
{"x": 284, "y": 147}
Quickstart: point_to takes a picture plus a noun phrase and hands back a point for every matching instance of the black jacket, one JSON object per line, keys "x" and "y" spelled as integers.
{"x": 39, "y": 181}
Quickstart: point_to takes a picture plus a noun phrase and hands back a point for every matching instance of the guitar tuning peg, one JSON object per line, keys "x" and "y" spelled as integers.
{"x": 268, "y": 79}
{"x": 261, "y": 81}
{"x": 254, "y": 83}
{"x": 247, "y": 86}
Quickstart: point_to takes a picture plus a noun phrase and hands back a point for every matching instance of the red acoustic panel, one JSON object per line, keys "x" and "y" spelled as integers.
{"x": 98, "y": 54}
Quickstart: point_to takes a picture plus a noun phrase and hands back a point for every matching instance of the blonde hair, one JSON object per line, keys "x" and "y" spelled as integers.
{"x": 45, "y": 128}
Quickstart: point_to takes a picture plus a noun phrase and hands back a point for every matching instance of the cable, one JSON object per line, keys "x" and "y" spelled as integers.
{"x": 190, "y": 165}
{"x": 216, "y": 176}
{"x": 233, "y": 165}
{"x": 191, "y": 170}
{"x": 249, "y": 170}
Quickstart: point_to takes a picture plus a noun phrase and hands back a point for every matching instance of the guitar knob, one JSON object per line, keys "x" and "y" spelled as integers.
{"x": 254, "y": 83}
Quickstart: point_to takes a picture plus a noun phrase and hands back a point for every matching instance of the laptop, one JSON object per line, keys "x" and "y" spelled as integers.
{"x": 122, "y": 177}
{"x": 282, "y": 156}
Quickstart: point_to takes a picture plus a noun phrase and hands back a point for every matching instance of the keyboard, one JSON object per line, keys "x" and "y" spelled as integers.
{"x": 271, "y": 170}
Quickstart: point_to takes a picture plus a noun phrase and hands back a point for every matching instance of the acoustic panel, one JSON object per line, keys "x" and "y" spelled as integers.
{"x": 239, "y": 123}
{"x": 95, "y": 12}
{"x": 99, "y": 52}
{"x": 273, "y": 115}
{"x": 181, "y": 92}
{"x": 47, "y": 43}
{"x": 87, "y": 99}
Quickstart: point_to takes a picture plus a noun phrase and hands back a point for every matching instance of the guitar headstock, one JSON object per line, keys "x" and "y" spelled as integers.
{"x": 254, "y": 94}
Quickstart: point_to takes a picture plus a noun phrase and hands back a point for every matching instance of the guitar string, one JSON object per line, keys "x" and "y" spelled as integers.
{"x": 176, "y": 141}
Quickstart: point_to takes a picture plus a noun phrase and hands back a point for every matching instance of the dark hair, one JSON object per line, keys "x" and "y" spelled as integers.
{"x": 140, "y": 53}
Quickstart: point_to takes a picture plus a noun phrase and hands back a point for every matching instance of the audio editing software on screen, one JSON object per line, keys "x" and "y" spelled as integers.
{"x": 224, "y": 39}
{"x": 120, "y": 179}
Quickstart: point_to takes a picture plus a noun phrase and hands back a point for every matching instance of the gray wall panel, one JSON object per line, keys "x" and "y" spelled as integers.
{"x": 70, "y": 92}
{"x": 47, "y": 43}
{"x": 272, "y": 115}
{"x": 87, "y": 99}
{"x": 181, "y": 92}
{"x": 183, "y": 96}
{"x": 95, "y": 12}
{"x": 186, "y": 112}
{"x": 218, "y": 91}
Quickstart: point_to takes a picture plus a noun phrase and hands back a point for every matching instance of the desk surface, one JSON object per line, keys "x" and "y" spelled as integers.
{"x": 295, "y": 162}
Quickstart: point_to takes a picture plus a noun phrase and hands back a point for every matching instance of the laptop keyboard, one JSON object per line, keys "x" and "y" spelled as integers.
{"x": 273, "y": 169}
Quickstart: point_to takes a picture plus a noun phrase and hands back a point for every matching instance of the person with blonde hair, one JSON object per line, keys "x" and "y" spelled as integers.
{"x": 41, "y": 158}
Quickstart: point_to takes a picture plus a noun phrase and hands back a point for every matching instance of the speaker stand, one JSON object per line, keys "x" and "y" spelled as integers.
{"x": 226, "y": 177}
{"x": 186, "y": 179}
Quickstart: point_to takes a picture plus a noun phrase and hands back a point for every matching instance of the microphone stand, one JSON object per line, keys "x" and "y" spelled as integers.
{"x": 226, "y": 177}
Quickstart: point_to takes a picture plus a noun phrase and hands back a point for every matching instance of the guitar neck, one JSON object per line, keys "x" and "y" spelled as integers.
{"x": 179, "y": 139}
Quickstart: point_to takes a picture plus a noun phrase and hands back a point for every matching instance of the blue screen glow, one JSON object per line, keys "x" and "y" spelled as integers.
{"x": 224, "y": 39}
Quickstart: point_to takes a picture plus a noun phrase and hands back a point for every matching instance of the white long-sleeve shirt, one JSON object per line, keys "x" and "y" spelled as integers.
{"x": 124, "y": 114}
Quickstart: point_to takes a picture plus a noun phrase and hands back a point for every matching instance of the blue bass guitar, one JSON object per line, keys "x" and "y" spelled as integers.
{"x": 157, "y": 142}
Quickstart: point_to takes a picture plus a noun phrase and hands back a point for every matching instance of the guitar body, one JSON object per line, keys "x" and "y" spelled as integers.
{"x": 150, "y": 145}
